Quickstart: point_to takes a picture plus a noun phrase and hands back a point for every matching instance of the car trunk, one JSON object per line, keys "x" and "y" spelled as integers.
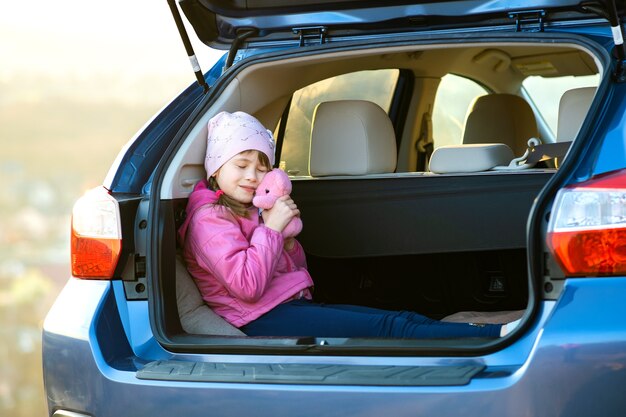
{"x": 436, "y": 244}
{"x": 427, "y": 243}
{"x": 460, "y": 246}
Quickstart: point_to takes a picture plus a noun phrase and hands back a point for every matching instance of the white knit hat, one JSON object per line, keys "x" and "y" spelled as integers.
{"x": 232, "y": 133}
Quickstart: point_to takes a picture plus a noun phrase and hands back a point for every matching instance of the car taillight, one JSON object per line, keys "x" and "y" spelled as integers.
{"x": 96, "y": 235}
{"x": 587, "y": 229}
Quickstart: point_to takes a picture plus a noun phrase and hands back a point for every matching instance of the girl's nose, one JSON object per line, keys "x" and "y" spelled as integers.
{"x": 252, "y": 175}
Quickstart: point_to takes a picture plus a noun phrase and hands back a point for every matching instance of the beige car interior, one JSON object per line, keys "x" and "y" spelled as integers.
{"x": 469, "y": 158}
{"x": 499, "y": 67}
{"x": 195, "y": 316}
{"x": 573, "y": 108}
{"x": 501, "y": 118}
{"x": 366, "y": 144}
{"x": 497, "y": 128}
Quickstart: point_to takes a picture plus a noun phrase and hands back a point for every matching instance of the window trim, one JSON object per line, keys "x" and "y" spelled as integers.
{"x": 401, "y": 102}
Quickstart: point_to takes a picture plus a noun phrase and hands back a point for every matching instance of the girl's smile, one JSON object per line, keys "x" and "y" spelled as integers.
{"x": 249, "y": 189}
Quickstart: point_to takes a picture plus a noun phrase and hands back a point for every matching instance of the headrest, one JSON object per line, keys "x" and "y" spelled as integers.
{"x": 351, "y": 137}
{"x": 469, "y": 158}
{"x": 501, "y": 118}
{"x": 573, "y": 109}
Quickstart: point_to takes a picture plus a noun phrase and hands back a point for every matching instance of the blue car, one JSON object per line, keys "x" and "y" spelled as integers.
{"x": 462, "y": 159}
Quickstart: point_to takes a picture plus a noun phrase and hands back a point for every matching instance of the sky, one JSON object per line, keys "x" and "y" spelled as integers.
{"x": 79, "y": 39}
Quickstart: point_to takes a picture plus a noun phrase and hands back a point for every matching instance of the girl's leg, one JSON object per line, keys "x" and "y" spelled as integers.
{"x": 429, "y": 328}
{"x": 409, "y": 315}
{"x": 305, "y": 318}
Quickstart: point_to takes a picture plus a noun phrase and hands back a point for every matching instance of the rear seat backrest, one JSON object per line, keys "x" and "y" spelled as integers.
{"x": 501, "y": 118}
{"x": 195, "y": 316}
{"x": 573, "y": 109}
{"x": 351, "y": 137}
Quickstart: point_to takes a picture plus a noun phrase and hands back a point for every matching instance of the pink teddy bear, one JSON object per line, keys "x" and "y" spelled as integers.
{"x": 276, "y": 184}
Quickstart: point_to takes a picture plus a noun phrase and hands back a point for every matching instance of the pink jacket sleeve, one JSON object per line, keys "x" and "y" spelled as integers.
{"x": 243, "y": 267}
{"x": 297, "y": 255}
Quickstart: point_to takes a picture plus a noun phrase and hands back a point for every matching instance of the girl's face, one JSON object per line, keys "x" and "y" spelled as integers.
{"x": 240, "y": 176}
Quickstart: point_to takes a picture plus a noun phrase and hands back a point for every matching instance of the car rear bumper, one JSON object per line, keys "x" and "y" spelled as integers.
{"x": 571, "y": 362}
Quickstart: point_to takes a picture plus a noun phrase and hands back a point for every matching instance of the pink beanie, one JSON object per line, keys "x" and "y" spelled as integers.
{"x": 232, "y": 133}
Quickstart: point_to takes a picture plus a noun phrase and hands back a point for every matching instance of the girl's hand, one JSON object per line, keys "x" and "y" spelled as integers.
{"x": 279, "y": 216}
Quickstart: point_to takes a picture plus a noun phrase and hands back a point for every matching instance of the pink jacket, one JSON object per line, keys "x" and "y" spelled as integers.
{"x": 238, "y": 264}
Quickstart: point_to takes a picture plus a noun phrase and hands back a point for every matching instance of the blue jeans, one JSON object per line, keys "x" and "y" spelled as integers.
{"x": 306, "y": 318}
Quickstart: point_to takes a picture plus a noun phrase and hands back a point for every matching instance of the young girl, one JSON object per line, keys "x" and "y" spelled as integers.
{"x": 252, "y": 277}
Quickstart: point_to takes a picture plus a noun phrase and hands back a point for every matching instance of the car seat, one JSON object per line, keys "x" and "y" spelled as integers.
{"x": 501, "y": 118}
{"x": 497, "y": 129}
{"x": 573, "y": 109}
{"x": 195, "y": 316}
{"x": 351, "y": 137}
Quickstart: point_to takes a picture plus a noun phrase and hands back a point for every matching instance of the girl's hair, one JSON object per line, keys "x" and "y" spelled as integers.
{"x": 230, "y": 203}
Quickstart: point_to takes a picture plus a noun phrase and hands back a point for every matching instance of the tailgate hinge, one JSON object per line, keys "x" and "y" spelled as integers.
{"x": 311, "y": 35}
{"x": 242, "y": 35}
{"x": 528, "y": 20}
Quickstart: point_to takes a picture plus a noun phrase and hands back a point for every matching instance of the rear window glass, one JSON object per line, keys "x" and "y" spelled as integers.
{"x": 546, "y": 92}
{"x": 454, "y": 96}
{"x": 377, "y": 86}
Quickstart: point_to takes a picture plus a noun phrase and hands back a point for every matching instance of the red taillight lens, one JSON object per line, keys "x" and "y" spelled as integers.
{"x": 587, "y": 230}
{"x": 96, "y": 235}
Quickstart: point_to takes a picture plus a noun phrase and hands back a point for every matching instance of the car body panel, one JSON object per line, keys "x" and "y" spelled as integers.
{"x": 218, "y": 23}
{"x": 568, "y": 355}
{"x": 612, "y": 129}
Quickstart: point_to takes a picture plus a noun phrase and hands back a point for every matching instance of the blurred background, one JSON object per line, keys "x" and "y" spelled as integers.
{"x": 77, "y": 80}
